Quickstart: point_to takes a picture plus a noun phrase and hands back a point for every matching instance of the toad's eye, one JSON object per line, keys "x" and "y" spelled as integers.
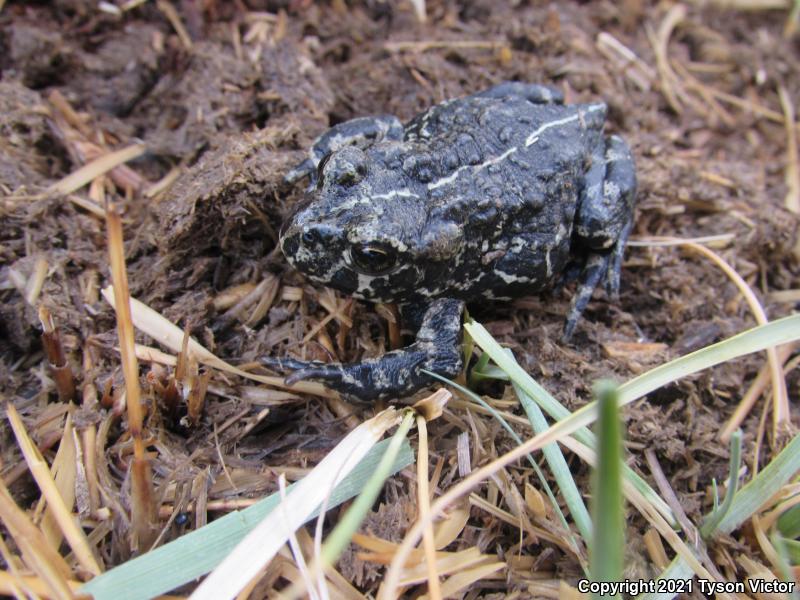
{"x": 373, "y": 259}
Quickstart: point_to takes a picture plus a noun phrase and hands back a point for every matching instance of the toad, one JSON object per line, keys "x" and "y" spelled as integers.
{"x": 492, "y": 196}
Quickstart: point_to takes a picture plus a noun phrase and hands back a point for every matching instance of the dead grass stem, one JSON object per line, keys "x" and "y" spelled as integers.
{"x": 792, "y": 199}
{"x": 97, "y": 167}
{"x": 44, "y": 479}
{"x": 159, "y": 328}
{"x": 753, "y": 393}
{"x": 423, "y": 497}
{"x": 424, "y": 45}
{"x": 33, "y": 586}
{"x": 33, "y": 287}
{"x": 168, "y": 10}
{"x": 750, "y": 106}
{"x": 54, "y": 350}
{"x": 626, "y": 60}
{"x": 142, "y": 500}
{"x": 391, "y": 582}
{"x": 780, "y": 400}
{"x": 660, "y": 42}
{"x": 779, "y": 397}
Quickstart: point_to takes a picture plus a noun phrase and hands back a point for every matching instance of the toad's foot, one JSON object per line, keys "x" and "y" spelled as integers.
{"x": 593, "y": 271}
{"x": 283, "y": 365}
{"x": 615, "y": 263}
{"x": 398, "y": 373}
{"x": 598, "y": 266}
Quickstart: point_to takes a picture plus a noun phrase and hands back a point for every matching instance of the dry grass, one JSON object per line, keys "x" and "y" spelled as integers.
{"x": 167, "y": 429}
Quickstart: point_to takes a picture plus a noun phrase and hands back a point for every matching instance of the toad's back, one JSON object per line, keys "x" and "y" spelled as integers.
{"x": 510, "y": 173}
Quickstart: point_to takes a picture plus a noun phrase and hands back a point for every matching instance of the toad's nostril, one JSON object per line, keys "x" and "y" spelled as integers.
{"x": 309, "y": 237}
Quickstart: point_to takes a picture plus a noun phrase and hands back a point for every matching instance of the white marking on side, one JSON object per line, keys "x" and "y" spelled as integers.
{"x": 614, "y": 156}
{"x": 393, "y": 194}
{"x": 517, "y": 245}
{"x": 511, "y": 278}
{"x": 475, "y": 168}
{"x": 549, "y": 264}
{"x": 352, "y": 202}
{"x": 594, "y": 191}
{"x": 534, "y": 137}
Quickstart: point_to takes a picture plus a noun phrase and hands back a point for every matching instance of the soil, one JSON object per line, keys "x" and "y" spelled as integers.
{"x": 229, "y": 101}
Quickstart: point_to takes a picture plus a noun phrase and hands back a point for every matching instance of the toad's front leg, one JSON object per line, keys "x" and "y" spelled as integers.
{"x": 437, "y": 348}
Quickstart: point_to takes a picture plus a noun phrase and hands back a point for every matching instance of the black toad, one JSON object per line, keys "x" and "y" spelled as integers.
{"x": 495, "y": 195}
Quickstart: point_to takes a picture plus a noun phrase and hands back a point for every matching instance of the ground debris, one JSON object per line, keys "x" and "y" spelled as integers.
{"x": 29, "y": 154}
{"x": 212, "y": 91}
{"x": 113, "y": 80}
{"x": 229, "y": 104}
{"x": 216, "y": 202}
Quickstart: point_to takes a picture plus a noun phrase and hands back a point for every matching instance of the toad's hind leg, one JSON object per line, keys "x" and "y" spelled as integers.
{"x": 360, "y": 132}
{"x": 533, "y": 92}
{"x": 603, "y": 223}
{"x": 593, "y": 270}
{"x": 437, "y": 348}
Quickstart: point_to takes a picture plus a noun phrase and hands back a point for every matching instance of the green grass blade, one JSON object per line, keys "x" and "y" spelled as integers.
{"x": 733, "y": 482}
{"x": 762, "y": 487}
{"x": 608, "y": 541}
{"x": 341, "y": 535}
{"x": 677, "y": 571}
{"x": 789, "y": 522}
{"x": 564, "y": 473}
{"x": 198, "y": 552}
{"x": 554, "y": 408}
{"x": 558, "y": 466}
{"x": 748, "y": 500}
{"x": 756, "y": 339}
{"x": 790, "y": 550}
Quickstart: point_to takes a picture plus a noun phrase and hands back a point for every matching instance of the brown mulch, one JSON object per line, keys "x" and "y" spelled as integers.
{"x": 227, "y": 109}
